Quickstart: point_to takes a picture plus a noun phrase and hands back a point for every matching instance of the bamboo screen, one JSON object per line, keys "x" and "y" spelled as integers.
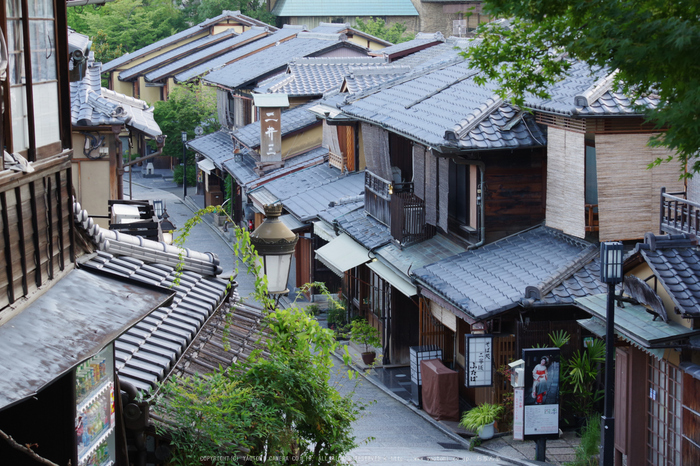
{"x": 628, "y": 192}
{"x": 566, "y": 194}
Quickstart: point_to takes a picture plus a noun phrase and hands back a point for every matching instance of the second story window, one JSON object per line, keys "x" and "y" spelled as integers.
{"x": 462, "y": 199}
{"x": 32, "y": 110}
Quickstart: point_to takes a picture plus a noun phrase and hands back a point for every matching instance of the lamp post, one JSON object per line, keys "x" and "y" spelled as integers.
{"x": 610, "y": 273}
{"x": 184, "y": 164}
{"x": 167, "y": 227}
{"x": 274, "y": 243}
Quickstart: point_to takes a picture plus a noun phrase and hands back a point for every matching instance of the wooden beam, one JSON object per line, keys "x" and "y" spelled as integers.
{"x": 59, "y": 203}
{"x": 8, "y": 248}
{"x": 35, "y": 234}
{"x": 22, "y": 246}
{"x": 49, "y": 207}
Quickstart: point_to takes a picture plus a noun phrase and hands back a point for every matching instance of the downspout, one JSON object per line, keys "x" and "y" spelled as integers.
{"x": 120, "y": 162}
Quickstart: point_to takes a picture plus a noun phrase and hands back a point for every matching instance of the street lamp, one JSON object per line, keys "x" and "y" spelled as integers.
{"x": 610, "y": 273}
{"x": 184, "y": 163}
{"x": 167, "y": 227}
{"x": 275, "y": 244}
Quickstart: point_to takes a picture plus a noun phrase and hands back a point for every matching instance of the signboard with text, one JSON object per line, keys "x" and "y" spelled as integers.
{"x": 541, "y": 393}
{"x": 270, "y": 135}
{"x": 479, "y": 361}
{"x": 518, "y": 413}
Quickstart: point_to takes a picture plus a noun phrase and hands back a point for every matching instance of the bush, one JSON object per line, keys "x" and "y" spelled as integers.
{"x": 313, "y": 309}
{"x": 191, "y": 175}
{"x": 364, "y": 334}
{"x": 337, "y": 315}
{"x": 589, "y": 449}
{"x": 476, "y": 418}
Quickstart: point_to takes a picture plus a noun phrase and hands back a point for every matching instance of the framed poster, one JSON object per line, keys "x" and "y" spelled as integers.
{"x": 541, "y": 397}
{"x": 479, "y": 360}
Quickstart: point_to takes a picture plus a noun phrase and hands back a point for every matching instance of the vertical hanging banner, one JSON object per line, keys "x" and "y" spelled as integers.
{"x": 518, "y": 413}
{"x": 479, "y": 363}
{"x": 541, "y": 397}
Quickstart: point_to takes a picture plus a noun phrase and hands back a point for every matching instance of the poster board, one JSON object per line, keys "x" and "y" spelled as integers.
{"x": 541, "y": 393}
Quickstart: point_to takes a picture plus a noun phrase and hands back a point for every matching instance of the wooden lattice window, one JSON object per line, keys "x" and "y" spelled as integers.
{"x": 664, "y": 407}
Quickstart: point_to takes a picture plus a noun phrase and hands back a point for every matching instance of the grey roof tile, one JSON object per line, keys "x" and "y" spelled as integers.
{"x": 364, "y": 229}
{"x": 675, "y": 260}
{"x": 579, "y": 79}
{"x": 93, "y": 105}
{"x": 272, "y": 59}
{"x": 492, "y": 279}
{"x": 317, "y": 75}
{"x": 443, "y": 107}
{"x": 194, "y": 30}
{"x": 208, "y": 56}
{"x": 236, "y": 54}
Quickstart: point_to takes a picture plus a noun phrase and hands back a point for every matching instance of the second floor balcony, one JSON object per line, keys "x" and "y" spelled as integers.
{"x": 677, "y": 214}
{"x": 396, "y": 206}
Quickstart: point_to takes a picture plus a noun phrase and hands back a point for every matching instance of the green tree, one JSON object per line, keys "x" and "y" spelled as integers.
{"x": 396, "y": 33}
{"x": 197, "y": 11}
{"x": 126, "y": 25}
{"x": 278, "y": 406}
{"x": 188, "y": 106}
{"x": 653, "y": 45}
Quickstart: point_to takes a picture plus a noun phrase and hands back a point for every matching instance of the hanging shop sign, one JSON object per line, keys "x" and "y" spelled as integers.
{"x": 479, "y": 363}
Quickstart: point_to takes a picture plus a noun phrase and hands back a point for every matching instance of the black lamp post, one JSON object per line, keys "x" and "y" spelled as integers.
{"x": 275, "y": 244}
{"x": 184, "y": 164}
{"x": 610, "y": 273}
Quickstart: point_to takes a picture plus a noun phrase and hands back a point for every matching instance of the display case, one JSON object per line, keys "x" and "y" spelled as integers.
{"x": 94, "y": 416}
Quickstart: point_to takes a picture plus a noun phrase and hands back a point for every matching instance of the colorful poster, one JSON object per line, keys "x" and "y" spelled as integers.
{"x": 541, "y": 393}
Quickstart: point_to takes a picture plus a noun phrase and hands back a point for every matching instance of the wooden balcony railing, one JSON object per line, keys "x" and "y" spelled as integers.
{"x": 408, "y": 224}
{"x": 592, "y": 223}
{"x": 378, "y": 197}
{"x": 337, "y": 161}
{"x": 677, "y": 214}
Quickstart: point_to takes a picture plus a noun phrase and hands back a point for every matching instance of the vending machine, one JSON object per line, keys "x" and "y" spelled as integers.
{"x": 94, "y": 415}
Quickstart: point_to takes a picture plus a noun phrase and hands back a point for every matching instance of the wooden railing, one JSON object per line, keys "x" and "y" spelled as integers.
{"x": 337, "y": 161}
{"x": 378, "y": 197}
{"x": 408, "y": 224}
{"x": 677, "y": 214}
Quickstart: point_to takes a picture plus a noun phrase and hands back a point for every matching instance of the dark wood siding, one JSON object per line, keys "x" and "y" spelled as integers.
{"x": 36, "y": 227}
{"x": 515, "y": 192}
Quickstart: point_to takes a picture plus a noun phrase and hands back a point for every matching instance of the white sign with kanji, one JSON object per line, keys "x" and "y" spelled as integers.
{"x": 479, "y": 367}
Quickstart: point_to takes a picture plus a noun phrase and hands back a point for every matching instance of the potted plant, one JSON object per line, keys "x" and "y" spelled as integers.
{"x": 362, "y": 333}
{"x": 481, "y": 419}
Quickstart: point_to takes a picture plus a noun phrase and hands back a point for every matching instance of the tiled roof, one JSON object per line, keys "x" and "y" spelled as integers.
{"x": 93, "y": 105}
{"x": 274, "y": 59}
{"x": 316, "y": 76}
{"x": 355, "y": 8}
{"x": 307, "y": 192}
{"x": 364, "y": 229}
{"x": 440, "y": 53}
{"x": 330, "y": 214}
{"x": 675, "y": 260}
{"x": 497, "y": 277}
{"x": 231, "y": 56}
{"x": 366, "y": 78}
{"x": 345, "y": 28}
{"x": 421, "y": 254}
{"x": 190, "y": 47}
{"x": 583, "y": 282}
{"x": 294, "y": 119}
{"x": 147, "y": 352}
{"x": 443, "y": 107}
{"x": 194, "y": 30}
{"x": 196, "y": 58}
{"x": 582, "y": 81}
{"x": 217, "y": 147}
{"x": 421, "y": 40}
